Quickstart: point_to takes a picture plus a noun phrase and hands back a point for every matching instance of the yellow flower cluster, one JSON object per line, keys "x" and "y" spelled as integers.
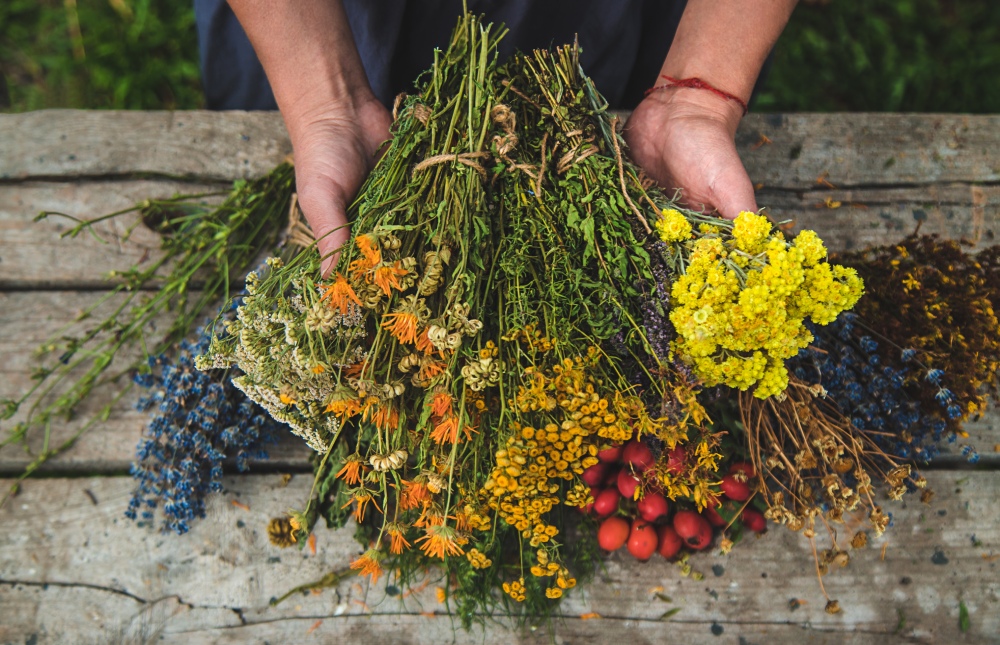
{"x": 546, "y": 568}
{"x": 515, "y": 589}
{"x": 523, "y": 485}
{"x": 478, "y": 559}
{"x": 532, "y": 338}
{"x": 673, "y": 226}
{"x": 697, "y": 479}
{"x": 740, "y": 308}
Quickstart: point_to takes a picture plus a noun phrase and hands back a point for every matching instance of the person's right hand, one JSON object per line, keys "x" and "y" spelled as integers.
{"x": 334, "y": 150}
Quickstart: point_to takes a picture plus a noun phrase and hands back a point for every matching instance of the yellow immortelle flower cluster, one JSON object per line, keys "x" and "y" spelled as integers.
{"x": 740, "y": 307}
{"x": 673, "y": 226}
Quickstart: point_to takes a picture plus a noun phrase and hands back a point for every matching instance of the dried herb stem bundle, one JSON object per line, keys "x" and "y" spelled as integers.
{"x": 484, "y": 316}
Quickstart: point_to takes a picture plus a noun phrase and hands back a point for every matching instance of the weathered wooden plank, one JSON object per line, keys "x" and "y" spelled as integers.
{"x": 105, "y": 576}
{"x": 33, "y": 255}
{"x": 79, "y": 615}
{"x": 846, "y": 149}
{"x": 869, "y": 149}
{"x": 197, "y": 144}
{"x": 850, "y": 219}
{"x": 882, "y": 203}
{"x": 29, "y": 318}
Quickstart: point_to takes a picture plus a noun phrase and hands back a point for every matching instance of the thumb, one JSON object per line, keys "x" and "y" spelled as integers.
{"x": 326, "y": 212}
{"x": 732, "y": 192}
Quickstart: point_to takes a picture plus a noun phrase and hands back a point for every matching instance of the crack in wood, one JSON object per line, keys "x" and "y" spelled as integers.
{"x": 44, "y": 584}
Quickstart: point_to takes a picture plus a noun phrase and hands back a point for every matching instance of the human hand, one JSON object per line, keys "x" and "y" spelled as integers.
{"x": 334, "y": 151}
{"x": 685, "y": 138}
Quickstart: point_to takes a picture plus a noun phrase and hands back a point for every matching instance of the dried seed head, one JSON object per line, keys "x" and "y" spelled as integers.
{"x": 280, "y": 532}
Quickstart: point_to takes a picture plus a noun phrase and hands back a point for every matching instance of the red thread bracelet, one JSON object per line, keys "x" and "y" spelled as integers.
{"x": 697, "y": 84}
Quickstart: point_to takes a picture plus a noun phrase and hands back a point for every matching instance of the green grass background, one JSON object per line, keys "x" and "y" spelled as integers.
{"x": 835, "y": 55}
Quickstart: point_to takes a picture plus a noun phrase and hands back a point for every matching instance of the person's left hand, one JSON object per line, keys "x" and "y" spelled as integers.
{"x": 685, "y": 138}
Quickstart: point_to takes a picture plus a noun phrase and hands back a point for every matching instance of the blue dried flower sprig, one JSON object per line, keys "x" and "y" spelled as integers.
{"x": 199, "y": 420}
{"x": 873, "y": 394}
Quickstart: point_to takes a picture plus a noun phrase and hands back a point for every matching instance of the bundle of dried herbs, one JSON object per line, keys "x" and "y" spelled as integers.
{"x": 461, "y": 334}
{"x": 500, "y": 318}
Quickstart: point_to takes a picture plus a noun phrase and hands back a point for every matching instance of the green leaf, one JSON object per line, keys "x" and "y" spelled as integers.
{"x": 963, "y": 617}
{"x": 572, "y": 216}
{"x": 667, "y": 615}
{"x": 587, "y": 228}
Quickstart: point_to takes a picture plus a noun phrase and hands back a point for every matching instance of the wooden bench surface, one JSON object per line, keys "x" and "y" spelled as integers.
{"x": 73, "y": 569}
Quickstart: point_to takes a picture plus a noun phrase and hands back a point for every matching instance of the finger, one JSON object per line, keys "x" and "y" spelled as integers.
{"x": 331, "y": 239}
{"x": 327, "y": 217}
{"x": 732, "y": 192}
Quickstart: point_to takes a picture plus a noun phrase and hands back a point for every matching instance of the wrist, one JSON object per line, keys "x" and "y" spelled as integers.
{"x": 334, "y": 103}
{"x": 688, "y": 102}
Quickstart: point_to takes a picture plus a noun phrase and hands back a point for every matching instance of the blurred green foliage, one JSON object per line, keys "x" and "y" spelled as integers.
{"x": 842, "y": 55}
{"x": 887, "y": 55}
{"x": 124, "y": 54}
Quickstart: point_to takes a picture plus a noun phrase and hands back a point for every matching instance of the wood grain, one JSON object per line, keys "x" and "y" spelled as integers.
{"x": 846, "y": 149}
{"x": 850, "y": 219}
{"x": 72, "y": 567}
{"x": 70, "y": 144}
{"x": 827, "y": 172}
{"x": 30, "y": 318}
{"x": 34, "y": 255}
{"x": 857, "y": 150}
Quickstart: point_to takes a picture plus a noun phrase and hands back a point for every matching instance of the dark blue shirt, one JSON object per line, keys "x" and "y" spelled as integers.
{"x": 623, "y": 43}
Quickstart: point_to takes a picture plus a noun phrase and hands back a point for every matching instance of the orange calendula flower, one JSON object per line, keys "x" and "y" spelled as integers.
{"x": 371, "y": 255}
{"x": 441, "y": 403}
{"x": 385, "y": 417}
{"x": 402, "y": 325}
{"x": 341, "y": 294}
{"x": 423, "y": 342}
{"x": 353, "y": 370}
{"x": 369, "y": 564}
{"x": 414, "y": 494}
{"x": 398, "y": 539}
{"x": 344, "y": 408}
{"x": 362, "y": 498}
{"x": 344, "y": 405}
{"x": 461, "y": 521}
{"x": 446, "y": 430}
{"x": 352, "y": 471}
{"x": 387, "y": 277}
{"x": 368, "y": 245}
{"x": 439, "y": 541}
{"x": 430, "y": 369}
